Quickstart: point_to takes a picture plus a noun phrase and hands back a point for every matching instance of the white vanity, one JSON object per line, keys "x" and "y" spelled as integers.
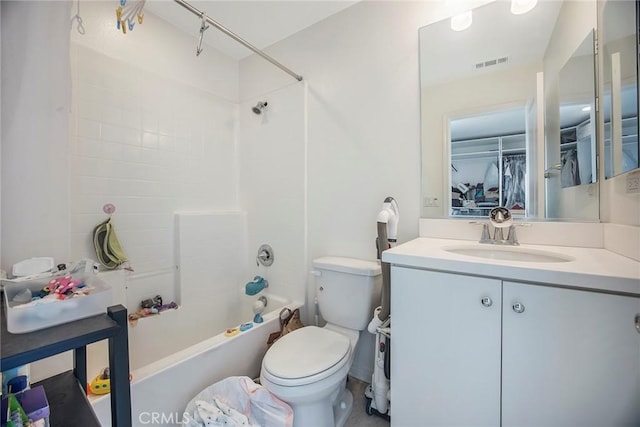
{"x": 484, "y": 336}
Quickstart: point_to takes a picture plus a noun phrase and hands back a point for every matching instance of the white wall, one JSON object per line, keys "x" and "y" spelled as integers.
{"x": 273, "y": 186}
{"x": 35, "y": 104}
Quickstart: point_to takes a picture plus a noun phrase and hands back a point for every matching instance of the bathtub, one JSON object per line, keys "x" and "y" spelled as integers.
{"x": 168, "y": 370}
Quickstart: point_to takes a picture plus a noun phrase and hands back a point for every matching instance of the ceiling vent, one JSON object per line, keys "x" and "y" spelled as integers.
{"x": 491, "y": 62}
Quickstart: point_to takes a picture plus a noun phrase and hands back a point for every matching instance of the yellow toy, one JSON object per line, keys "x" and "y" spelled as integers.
{"x": 102, "y": 383}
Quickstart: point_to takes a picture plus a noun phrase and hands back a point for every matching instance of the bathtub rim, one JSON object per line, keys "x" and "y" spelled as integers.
{"x": 143, "y": 373}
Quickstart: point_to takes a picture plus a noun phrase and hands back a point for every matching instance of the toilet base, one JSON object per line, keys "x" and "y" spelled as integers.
{"x": 342, "y": 408}
{"x": 321, "y": 414}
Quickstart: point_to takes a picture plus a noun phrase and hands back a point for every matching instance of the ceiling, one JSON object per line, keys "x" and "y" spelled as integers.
{"x": 260, "y": 22}
{"x": 448, "y": 55}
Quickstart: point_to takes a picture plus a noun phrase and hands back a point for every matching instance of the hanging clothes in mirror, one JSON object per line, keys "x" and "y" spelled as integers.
{"x": 514, "y": 168}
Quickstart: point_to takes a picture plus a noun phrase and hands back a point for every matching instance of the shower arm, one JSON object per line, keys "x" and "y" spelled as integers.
{"x": 237, "y": 38}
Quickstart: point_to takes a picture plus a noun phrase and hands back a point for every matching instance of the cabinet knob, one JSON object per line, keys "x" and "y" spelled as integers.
{"x": 638, "y": 322}
{"x": 486, "y": 301}
{"x": 518, "y": 307}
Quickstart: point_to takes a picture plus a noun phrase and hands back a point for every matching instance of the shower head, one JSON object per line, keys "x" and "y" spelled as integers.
{"x": 259, "y": 107}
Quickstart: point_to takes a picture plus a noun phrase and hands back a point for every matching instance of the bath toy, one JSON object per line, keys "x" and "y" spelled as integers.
{"x": 167, "y": 306}
{"x": 231, "y": 332}
{"x": 101, "y": 384}
{"x": 145, "y": 312}
{"x": 256, "y": 286}
{"x": 246, "y": 326}
{"x": 152, "y": 302}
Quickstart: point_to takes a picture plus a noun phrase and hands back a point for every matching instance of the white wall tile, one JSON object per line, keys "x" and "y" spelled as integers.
{"x": 112, "y": 133}
{"x": 144, "y": 153}
{"x": 89, "y": 128}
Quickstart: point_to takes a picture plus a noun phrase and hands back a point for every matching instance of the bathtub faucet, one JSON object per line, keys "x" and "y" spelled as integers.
{"x": 256, "y": 286}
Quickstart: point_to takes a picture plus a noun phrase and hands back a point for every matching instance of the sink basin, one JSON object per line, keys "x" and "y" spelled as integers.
{"x": 508, "y": 253}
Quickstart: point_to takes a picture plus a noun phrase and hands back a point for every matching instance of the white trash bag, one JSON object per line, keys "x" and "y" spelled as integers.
{"x": 237, "y": 401}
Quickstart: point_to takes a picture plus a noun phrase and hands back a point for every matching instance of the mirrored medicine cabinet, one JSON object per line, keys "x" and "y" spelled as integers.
{"x": 508, "y": 112}
{"x": 618, "y": 31}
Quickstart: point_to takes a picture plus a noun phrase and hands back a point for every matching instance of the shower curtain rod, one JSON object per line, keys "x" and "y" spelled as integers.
{"x": 237, "y": 38}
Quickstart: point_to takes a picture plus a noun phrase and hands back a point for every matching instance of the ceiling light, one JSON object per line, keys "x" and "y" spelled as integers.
{"x": 519, "y": 7}
{"x": 587, "y": 108}
{"x": 462, "y": 21}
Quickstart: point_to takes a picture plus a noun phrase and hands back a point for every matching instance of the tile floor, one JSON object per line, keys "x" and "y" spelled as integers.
{"x": 359, "y": 417}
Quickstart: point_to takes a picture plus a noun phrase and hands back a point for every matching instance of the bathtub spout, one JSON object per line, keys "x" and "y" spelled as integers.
{"x": 256, "y": 286}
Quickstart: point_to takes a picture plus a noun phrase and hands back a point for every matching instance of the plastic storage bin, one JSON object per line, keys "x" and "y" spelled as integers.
{"x": 22, "y": 318}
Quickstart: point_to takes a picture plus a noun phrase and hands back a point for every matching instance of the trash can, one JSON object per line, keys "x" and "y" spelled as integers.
{"x": 237, "y": 401}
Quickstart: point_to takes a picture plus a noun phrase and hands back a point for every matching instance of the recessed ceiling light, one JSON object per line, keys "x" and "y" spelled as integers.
{"x": 519, "y": 7}
{"x": 462, "y": 21}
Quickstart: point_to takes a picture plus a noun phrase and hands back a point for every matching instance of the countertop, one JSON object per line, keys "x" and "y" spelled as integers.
{"x": 596, "y": 269}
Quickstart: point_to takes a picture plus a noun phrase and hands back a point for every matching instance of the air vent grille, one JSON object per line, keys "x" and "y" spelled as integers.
{"x": 491, "y": 62}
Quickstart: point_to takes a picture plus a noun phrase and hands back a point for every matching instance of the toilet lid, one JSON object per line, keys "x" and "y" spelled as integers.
{"x": 305, "y": 352}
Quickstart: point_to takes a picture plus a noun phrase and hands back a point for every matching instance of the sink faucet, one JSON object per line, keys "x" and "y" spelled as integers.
{"x": 500, "y": 218}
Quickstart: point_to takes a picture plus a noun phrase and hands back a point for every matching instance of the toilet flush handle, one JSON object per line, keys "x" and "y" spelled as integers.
{"x": 316, "y": 273}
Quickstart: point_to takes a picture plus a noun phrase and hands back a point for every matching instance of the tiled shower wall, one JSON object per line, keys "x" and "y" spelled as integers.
{"x": 147, "y": 142}
{"x": 148, "y": 145}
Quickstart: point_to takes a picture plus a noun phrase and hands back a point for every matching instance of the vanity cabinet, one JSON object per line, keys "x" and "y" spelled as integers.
{"x": 445, "y": 366}
{"x": 478, "y": 351}
{"x": 569, "y": 358}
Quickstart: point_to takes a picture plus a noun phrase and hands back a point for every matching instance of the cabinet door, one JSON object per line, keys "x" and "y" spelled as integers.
{"x": 571, "y": 358}
{"x": 445, "y": 349}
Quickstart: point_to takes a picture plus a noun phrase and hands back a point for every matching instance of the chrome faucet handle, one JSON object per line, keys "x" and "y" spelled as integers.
{"x": 265, "y": 256}
{"x": 485, "y": 237}
{"x": 513, "y": 239}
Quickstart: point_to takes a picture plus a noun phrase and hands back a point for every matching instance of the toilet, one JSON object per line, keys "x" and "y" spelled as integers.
{"x": 307, "y": 368}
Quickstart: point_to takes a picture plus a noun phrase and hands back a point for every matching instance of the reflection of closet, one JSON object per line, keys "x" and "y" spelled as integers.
{"x": 488, "y": 172}
{"x": 577, "y": 155}
{"x": 629, "y": 158}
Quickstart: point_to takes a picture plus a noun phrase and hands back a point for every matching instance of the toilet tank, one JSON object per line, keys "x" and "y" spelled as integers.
{"x": 348, "y": 290}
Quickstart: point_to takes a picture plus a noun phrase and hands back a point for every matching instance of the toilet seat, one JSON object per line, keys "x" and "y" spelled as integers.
{"x": 305, "y": 356}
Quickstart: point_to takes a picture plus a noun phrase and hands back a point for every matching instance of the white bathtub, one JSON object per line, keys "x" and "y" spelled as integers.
{"x": 171, "y": 363}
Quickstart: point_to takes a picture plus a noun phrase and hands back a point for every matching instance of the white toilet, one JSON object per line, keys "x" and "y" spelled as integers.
{"x": 307, "y": 368}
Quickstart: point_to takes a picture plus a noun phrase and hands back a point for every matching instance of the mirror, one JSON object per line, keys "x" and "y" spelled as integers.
{"x": 503, "y": 65}
{"x": 577, "y": 98}
{"x": 620, "y": 88}
{"x": 484, "y": 148}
